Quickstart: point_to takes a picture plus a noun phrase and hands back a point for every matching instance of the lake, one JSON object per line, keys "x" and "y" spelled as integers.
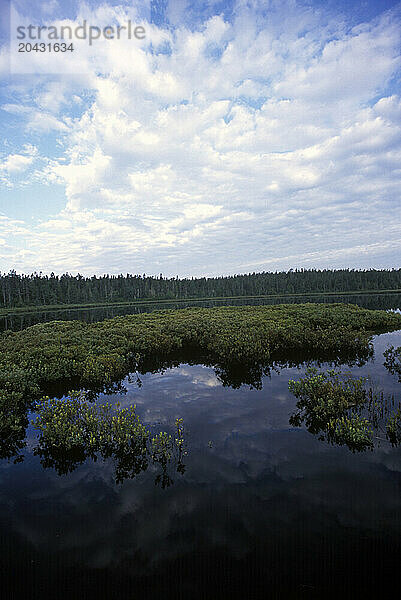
{"x": 262, "y": 509}
{"x": 20, "y": 320}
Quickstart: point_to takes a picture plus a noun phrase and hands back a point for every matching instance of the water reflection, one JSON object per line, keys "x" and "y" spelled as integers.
{"x": 393, "y": 361}
{"x": 14, "y": 415}
{"x": 19, "y": 320}
{"x": 127, "y": 463}
{"x": 13, "y": 427}
{"x": 264, "y": 510}
{"x": 72, "y": 430}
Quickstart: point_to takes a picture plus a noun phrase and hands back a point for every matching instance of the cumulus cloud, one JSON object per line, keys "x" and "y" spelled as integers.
{"x": 16, "y": 164}
{"x": 232, "y": 144}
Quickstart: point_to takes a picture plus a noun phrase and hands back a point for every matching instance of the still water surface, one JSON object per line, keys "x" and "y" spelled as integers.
{"x": 263, "y": 510}
{"x": 20, "y": 320}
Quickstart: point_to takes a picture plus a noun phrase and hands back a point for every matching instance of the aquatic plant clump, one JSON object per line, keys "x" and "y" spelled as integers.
{"x": 73, "y": 421}
{"x": 329, "y": 408}
{"x": 96, "y": 355}
{"x": 71, "y": 429}
{"x": 343, "y": 410}
{"x": 393, "y": 361}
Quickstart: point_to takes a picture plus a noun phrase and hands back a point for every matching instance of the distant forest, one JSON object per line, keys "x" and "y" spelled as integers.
{"x": 37, "y": 289}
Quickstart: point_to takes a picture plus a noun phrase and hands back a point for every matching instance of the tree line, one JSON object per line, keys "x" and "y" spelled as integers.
{"x": 37, "y": 289}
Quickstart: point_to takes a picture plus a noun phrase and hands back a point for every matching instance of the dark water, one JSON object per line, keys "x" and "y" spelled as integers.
{"x": 21, "y": 320}
{"x": 263, "y": 510}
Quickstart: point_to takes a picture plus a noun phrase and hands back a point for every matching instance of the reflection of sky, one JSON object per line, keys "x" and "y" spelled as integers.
{"x": 259, "y": 489}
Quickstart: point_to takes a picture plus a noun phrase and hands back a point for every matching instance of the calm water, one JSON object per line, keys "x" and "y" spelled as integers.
{"x": 263, "y": 510}
{"x": 21, "y": 320}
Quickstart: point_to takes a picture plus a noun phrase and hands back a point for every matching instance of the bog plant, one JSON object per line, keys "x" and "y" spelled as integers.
{"x": 343, "y": 410}
{"x": 71, "y": 429}
{"x": 393, "y": 361}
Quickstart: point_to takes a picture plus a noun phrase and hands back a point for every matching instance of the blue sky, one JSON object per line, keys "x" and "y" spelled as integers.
{"x": 238, "y": 136}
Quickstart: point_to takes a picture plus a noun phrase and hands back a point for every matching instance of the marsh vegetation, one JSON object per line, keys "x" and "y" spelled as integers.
{"x": 242, "y": 344}
{"x": 393, "y": 360}
{"x": 72, "y": 430}
{"x": 344, "y": 410}
{"x": 99, "y": 354}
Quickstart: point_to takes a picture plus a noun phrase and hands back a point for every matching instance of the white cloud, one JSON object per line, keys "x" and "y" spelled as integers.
{"x": 16, "y": 164}
{"x": 244, "y": 144}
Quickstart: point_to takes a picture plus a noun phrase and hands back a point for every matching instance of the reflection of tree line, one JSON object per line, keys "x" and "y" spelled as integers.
{"x": 17, "y": 322}
{"x": 335, "y": 407}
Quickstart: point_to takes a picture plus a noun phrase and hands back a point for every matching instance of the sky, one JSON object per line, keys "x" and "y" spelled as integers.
{"x": 238, "y": 136}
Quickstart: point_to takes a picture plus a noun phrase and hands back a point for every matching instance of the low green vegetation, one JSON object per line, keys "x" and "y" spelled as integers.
{"x": 96, "y": 355}
{"x": 344, "y": 411}
{"x": 242, "y": 343}
{"x": 71, "y": 430}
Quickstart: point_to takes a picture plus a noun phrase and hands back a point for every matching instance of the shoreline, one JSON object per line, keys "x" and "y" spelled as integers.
{"x": 22, "y": 310}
